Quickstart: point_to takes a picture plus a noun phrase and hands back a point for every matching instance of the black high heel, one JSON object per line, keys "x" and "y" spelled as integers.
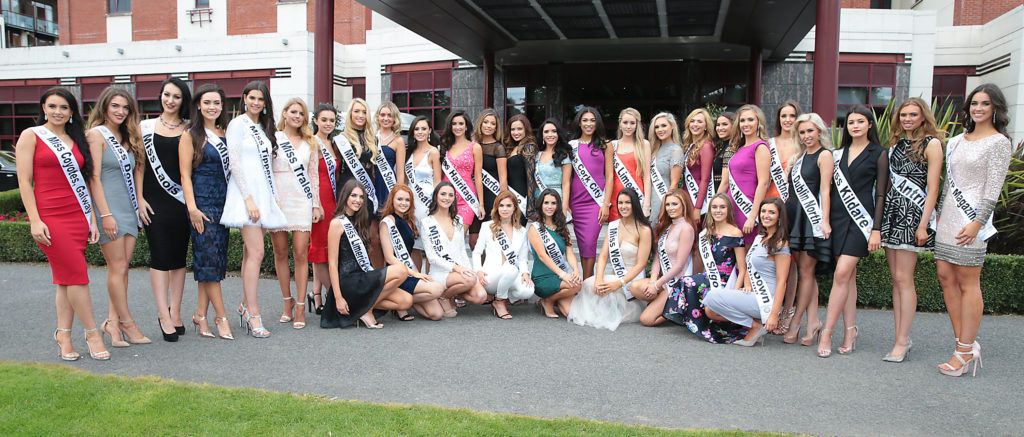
{"x": 317, "y": 309}
{"x": 180, "y": 330}
{"x": 170, "y": 338}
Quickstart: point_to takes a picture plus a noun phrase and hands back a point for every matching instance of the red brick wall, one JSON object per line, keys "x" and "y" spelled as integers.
{"x": 972, "y": 12}
{"x": 351, "y": 21}
{"x": 82, "y": 21}
{"x": 247, "y": 17}
{"x": 856, "y": 4}
{"x": 154, "y": 20}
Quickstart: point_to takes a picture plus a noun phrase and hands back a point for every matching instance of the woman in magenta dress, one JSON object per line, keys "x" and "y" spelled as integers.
{"x": 590, "y": 209}
{"x": 748, "y": 169}
{"x": 62, "y": 222}
{"x": 466, "y": 157}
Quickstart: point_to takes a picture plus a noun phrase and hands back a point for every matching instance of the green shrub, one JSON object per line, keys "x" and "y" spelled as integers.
{"x": 10, "y": 201}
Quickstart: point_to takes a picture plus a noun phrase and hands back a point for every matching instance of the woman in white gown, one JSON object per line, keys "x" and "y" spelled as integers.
{"x": 606, "y": 299}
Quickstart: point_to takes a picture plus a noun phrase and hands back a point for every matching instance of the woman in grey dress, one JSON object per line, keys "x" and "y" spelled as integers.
{"x": 666, "y": 161}
{"x": 114, "y": 135}
{"x": 976, "y": 163}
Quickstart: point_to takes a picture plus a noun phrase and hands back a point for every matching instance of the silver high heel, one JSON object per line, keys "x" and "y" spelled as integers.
{"x": 285, "y": 318}
{"x": 258, "y": 332}
{"x": 73, "y": 356}
{"x": 853, "y": 346}
{"x": 890, "y": 358}
{"x": 101, "y": 355}
{"x": 974, "y": 352}
{"x": 759, "y": 337}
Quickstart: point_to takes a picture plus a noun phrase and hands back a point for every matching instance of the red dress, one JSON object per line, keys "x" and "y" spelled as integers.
{"x": 629, "y": 161}
{"x": 59, "y": 210}
{"x": 328, "y": 201}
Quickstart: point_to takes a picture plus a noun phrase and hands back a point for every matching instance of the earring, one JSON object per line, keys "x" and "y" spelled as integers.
{"x": 71, "y": 120}
{"x": 46, "y": 117}
{"x": 264, "y": 110}
{"x": 245, "y": 107}
{"x": 993, "y": 118}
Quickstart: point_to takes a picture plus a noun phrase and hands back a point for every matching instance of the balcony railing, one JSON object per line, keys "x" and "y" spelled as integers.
{"x": 26, "y": 22}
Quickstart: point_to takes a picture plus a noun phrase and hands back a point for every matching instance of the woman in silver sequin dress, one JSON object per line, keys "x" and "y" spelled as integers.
{"x": 977, "y": 161}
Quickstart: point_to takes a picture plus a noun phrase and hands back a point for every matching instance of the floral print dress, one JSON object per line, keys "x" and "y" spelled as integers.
{"x": 685, "y": 301}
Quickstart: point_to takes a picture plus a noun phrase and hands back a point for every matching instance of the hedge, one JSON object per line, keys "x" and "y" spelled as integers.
{"x": 10, "y": 201}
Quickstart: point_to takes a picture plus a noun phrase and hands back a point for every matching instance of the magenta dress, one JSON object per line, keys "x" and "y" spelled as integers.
{"x": 585, "y": 211}
{"x": 464, "y": 166}
{"x": 743, "y": 170}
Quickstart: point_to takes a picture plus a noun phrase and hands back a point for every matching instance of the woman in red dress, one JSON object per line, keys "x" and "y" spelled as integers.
{"x": 52, "y": 160}
{"x": 325, "y": 118}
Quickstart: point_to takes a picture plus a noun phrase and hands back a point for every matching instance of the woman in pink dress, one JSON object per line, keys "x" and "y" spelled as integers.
{"x": 466, "y": 158}
{"x": 700, "y": 158}
{"x": 748, "y": 169}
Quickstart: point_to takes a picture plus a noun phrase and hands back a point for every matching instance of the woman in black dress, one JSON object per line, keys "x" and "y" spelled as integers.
{"x": 487, "y": 133}
{"x": 723, "y": 126}
{"x": 863, "y": 167}
{"x": 365, "y": 287}
{"x": 162, "y": 205}
{"x": 521, "y": 150}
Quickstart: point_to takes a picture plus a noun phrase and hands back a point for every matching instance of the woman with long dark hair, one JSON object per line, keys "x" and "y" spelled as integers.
{"x": 444, "y": 238}
{"x": 114, "y": 136}
{"x": 251, "y": 202}
{"x": 976, "y": 165}
{"x": 723, "y": 129}
{"x": 162, "y": 205}
{"x": 556, "y": 274}
{"x": 488, "y": 134}
{"x": 606, "y": 299}
{"x": 204, "y": 179}
{"x": 591, "y": 190}
{"x": 860, "y": 183}
{"x": 552, "y": 164}
{"x": 521, "y": 150}
{"x": 325, "y": 118}
{"x": 52, "y": 162}
{"x": 462, "y": 164}
{"x": 349, "y": 259}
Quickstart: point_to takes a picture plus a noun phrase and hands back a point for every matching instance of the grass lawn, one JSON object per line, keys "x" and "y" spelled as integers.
{"x": 38, "y": 399}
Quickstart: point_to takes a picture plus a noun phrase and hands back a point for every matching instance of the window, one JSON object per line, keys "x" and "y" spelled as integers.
{"x": 427, "y": 93}
{"x": 530, "y": 101}
{"x": 119, "y": 6}
{"x": 202, "y": 4}
{"x": 949, "y": 88}
{"x": 872, "y": 85}
{"x": 19, "y": 109}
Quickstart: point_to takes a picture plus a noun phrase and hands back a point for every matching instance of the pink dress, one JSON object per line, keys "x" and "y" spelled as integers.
{"x": 743, "y": 171}
{"x": 464, "y": 165}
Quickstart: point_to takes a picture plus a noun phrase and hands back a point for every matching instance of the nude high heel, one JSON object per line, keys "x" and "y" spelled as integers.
{"x": 825, "y": 353}
{"x": 974, "y": 352}
{"x": 853, "y": 346}
{"x": 760, "y": 336}
{"x": 103, "y": 355}
{"x": 113, "y": 341}
{"x": 73, "y": 356}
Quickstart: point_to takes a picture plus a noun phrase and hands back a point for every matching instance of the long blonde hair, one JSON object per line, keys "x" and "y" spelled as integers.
{"x": 131, "y": 136}
{"x": 369, "y": 134}
{"x": 396, "y": 128}
{"x": 305, "y": 131}
{"x": 655, "y": 141}
{"x": 639, "y": 150}
{"x": 823, "y": 137}
{"x": 478, "y": 132}
{"x": 695, "y": 144}
{"x": 928, "y": 128}
{"x": 737, "y": 139}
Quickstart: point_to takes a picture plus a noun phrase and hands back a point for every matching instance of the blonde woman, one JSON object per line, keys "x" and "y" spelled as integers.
{"x": 747, "y": 178}
{"x": 666, "y": 159}
{"x": 391, "y": 152}
{"x": 632, "y": 164}
{"x": 700, "y": 158}
{"x": 357, "y": 145}
{"x": 296, "y": 173}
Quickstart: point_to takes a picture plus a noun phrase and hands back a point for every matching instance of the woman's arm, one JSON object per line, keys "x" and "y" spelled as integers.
{"x": 609, "y": 183}
{"x": 566, "y": 185}
{"x": 478, "y": 180}
{"x": 333, "y": 240}
{"x": 313, "y": 172}
{"x": 385, "y": 241}
{"x": 400, "y": 160}
{"x": 881, "y": 188}
{"x": 645, "y": 174}
{"x": 435, "y": 164}
{"x": 107, "y": 219}
{"x": 642, "y": 254}
{"x": 707, "y": 162}
{"x": 782, "y": 261}
{"x": 742, "y": 279}
{"x": 185, "y": 155}
{"x": 676, "y": 162}
{"x": 933, "y": 154}
{"x": 826, "y": 167}
{"x": 25, "y": 153}
{"x": 763, "y": 161}
{"x": 481, "y": 245}
{"x": 723, "y": 186}
{"x": 682, "y": 257}
{"x": 502, "y": 172}
{"x": 602, "y": 261}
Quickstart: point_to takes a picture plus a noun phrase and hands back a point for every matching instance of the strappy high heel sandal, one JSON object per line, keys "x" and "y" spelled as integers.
{"x": 313, "y": 307}
{"x": 297, "y": 324}
{"x": 367, "y": 325}
{"x": 196, "y": 320}
{"x": 825, "y": 353}
{"x": 114, "y": 342}
{"x": 853, "y": 346}
{"x": 812, "y": 336}
{"x": 974, "y": 351}
{"x": 225, "y": 331}
{"x": 123, "y": 325}
{"x": 72, "y": 356}
{"x": 243, "y": 312}
{"x": 102, "y": 355}
{"x": 259, "y": 331}
{"x": 787, "y": 320}
{"x": 285, "y": 318}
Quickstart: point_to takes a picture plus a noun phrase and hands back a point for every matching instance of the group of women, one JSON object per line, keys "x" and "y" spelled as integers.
{"x": 733, "y": 222}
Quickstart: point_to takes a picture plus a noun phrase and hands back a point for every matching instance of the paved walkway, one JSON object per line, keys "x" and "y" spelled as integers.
{"x": 533, "y": 366}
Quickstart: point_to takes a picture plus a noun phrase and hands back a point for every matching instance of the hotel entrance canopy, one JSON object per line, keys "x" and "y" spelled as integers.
{"x": 538, "y": 31}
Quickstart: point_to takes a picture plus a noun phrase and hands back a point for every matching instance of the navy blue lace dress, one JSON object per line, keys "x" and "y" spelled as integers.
{"x": 685, "y": 300}
{"x": 210, "y": 248}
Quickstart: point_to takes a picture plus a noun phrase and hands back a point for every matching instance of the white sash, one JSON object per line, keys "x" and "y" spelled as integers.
{"x": 262, "y": 145}
{"x": 624, "y": 176}
{"x": 298, "y": 167}
{"x": 551, "y": 247}
{"x": 66, "y": 158}
{"x": 657, "y": 182}
{"x": 511, "y": 255}
{"x": 694, "y": 189}
{"x": 461, "y": 185}
{"x": 330, "y": 162}
{"x": 808, "y": 201}
{"x": 857, "y": 212}
{"x": 745, "y": 204}
{"x": 386, "y": 172}
{"x": 348, "y": 154}
{"x": 126, "y": 166}
{"x": 589, "y": 183}
{"x": 988, "y": 230}
{"x": 222, "y": 150}
{"x": 172, "y": 188}
{"x": 908, "y": 189}
{"x": 666, "y": 263}
{"x": 759, "y": 287}
{"x": 615, "y": 255}
{"x": 410, "y": 172}
{"x": 398, "y": 244}
{"x": 708, "y": 258}
{"x": 776, "y": 171}
{"x": 434, "y": 236}
{"x": 356, "y": 242}
{"x": 540, "y": 184}
{"x": 492, "y": 185}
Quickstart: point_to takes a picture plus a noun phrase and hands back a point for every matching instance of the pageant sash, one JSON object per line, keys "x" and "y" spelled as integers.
{"x": 511, "y": 255}
{"x": 492, "y": 185}
{"x": 666, "y": 263}
{"x": 551, "y": 247}
{"x": 759, "y": 287}
{"x": 330, "y": 162}
{"x": 745, "y": 204}
{"x": 776, "y": 171}
{"x": 694, "y": 189}
{"x": 298, "y": 167}
{"x": 857, "y": 212}
{"x": 589, "y": 183}
{"x": 222, "y": 151}
{"x": 356, "y": 242}
{"x": 988, "y": 230}
{"x": 397, "y": 244}
{"x": 172, "y": 188}
{"x": 125, "y": 164}
{"x": 461, "y": 186}
{"x": 808, "y": 200}
{"x": 707, "y": 256}
{"x": 536, "y": 178}
{"x": 657, "y": 182}
{"x": 434, "y": 237}
{"x": 386, "y": 172}
{"x": 66, "y": 158}
{"x": 615, "y": 255}
{"x": 259, "y": 138}
{"x": 410, "y": 173}
{"x": 624, "y": 176}
{"x": 913, "y": 192}
{"x": 348, "y": 154}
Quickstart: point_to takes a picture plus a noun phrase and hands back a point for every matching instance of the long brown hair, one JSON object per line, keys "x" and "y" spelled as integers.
{"x": 778, "y": 117}
{"x": 737, "y": 139}
{"x": 131, "y": 137}
{"x": 495, "y": 219}
{"x": 664, "y": 221}
{"x": 197, "y": 122}
{"x": 780, "y": 238}
{"x": 558, "y": 218}
{"x": 410, "y": 215}
{"x": 918, "y": 138}
{"x": 361, "y": 218}
{"x": 478, "y": 134}
{"x": 453, "y": 210}
{"x": 709, "y": 222}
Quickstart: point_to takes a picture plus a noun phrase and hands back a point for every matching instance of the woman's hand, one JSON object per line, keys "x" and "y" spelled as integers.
{"x": 480, "y": 212}
{"x": 527, "y": 280}
{"x": 651, "y": 290}
{"x": 968, "y": 234}
{"x": 600, "y": 287}
{"x": 198, "y": 220}
{"x": 826, "y": 229}
{"x": 342, "y": 306}
{"x": 482, "y": 277}
{"x": 603, "y": 215}
{"x": 875, "y": 241}
{"x": 109, "y": 226}
{"x": 254, "y": 212}
{"x": 40, "y": 232}
{"x": 145, "y": 211}
{"x": 94, "y": 233}
{"x": 773, "y": 322}
{"x": 748, "y": 226}
{"x": 421, "y": 276}
{"x": 921, "y": 235}
{"x": 318, "y": 214}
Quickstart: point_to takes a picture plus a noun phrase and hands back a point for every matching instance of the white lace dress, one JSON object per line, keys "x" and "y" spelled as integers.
{"x": 612, "y": 309}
